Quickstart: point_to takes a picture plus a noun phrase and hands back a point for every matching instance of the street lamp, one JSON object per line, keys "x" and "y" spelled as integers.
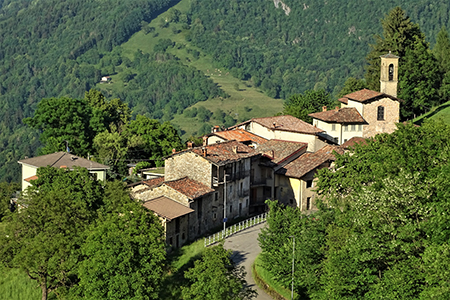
{"x": 293, "y": 253}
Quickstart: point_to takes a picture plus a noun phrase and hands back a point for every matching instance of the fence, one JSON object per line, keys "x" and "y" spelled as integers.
{"x": 217, "y": 237}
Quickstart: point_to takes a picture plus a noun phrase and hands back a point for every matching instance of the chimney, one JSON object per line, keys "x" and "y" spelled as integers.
{"x": 337, "y": 107}
{"x": 215, "y": 129}
{"x": 272, "y": 154}
{"x": 174, "y": 151}
{"x": 324, "y": 108}
{"x": 205, "y": 141}
{"x": 204, "y": 151}
{"x": 235, "y": 149}
{"x": 190, "y": 145}
{"x": 63, "y": 167}
{"x": 274, "y": 124}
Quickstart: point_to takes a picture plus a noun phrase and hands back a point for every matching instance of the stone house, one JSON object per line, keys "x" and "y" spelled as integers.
{"x": 186, "y": 207}
{"x": 213, "y": 181}
{"x": 286, "y": 128}
{"x": 380, "y": 111}
{"x": 295, "y": 182}
{"x": 274, "y": 155}
{"x": 59, "y": 160}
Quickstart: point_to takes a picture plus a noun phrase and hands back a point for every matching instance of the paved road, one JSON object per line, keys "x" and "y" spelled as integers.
{"x": 245, "y": 249}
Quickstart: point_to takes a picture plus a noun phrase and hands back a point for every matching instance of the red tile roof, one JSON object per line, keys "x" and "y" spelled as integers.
{"x": 34, "y": 177}
{"x": 341, "y": 115}
{"x": 365, "y": 95}
{"x": 240, "y": 135}
{"x": 62, "y": 159}
{"x": 285, "y": 123}
{"x": 280, "y": 150}
{"x": 167, "y": 208}
{"x": 354, "y": 140}
{"x": 223, "y": 153}
{"x": 188, "y": 187}
{"x": 309, "y": 161}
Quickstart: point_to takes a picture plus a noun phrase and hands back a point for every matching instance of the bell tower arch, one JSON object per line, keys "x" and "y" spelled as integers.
{"x": 389, "y": 74}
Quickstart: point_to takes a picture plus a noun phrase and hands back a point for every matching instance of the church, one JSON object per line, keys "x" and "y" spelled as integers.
{"x": 364, "y": 113}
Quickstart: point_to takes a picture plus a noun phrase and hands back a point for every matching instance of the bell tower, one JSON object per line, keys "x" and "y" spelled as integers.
{"x": 389, "y": 74}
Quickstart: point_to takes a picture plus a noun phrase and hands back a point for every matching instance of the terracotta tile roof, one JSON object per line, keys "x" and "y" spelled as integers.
{"x": 151, "y": 183}
{"x": 309, "y": 161}
{"x": 188, "y": 187}
{"x": 62, "y": 159}
{"x": 366, "y": 95}
{"x": 34, "y": 177}
{"x": 167, "y": 208}
{"x": 240, "y": 135}
{"x": 285, "y": 123}
{"x": 341, "y": 115}
{"x": 279, "y": 150}
{"x": 223, "y": 153}
{"x": 354, "y": 140}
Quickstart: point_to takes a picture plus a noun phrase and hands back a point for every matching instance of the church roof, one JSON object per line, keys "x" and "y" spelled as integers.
{"x": 340, "y": 115}
{"x": 366, "y": 95}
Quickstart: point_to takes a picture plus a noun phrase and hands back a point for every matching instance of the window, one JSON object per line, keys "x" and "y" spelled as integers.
{"x": 345, "y": 140}
{"x": 391, "y": 72}
{"x": 380, "y": 113}
{"x": 170, "y": 241}
{"x": 336, "y": 140}
{"x": 216, "y": 196}
{"x": 352, "y": 127}
{"x": 177, "y": 225}
{"x": 231, "y": 209}
{"x": 333, "y": 127}
{"x": 308, "y": 203}
{"x": 291, "y": 201}
{"x": 309, "y": 184}
{"x": 360, "y": 127}
{"x": 345, "y": 127}
{"x": 214, "y": 216}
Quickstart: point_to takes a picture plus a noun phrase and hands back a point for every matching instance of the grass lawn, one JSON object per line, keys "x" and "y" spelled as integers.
{"x": 266, "y": 282}
{"x": 441, "y": 112}
{"x": 245, "y": 101}
{"x": 15, "y": 285}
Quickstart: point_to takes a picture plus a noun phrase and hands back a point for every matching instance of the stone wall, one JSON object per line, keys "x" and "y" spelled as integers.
{"x": 190, "y": 165}
{"x": 391, "y": 117}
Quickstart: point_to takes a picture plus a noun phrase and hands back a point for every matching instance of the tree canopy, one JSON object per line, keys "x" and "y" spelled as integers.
{"x": 300, "y": 105}
{"x": 215, "y": 276}
{"x": 380, "y": 224}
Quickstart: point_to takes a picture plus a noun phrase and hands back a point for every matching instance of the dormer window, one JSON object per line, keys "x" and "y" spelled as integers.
{"x": 380, "y": 113}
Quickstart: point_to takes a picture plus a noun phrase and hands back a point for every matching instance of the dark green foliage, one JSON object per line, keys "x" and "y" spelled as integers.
{"x": 352, "y": 85}
{"x": 164, "y": 87}
{"x": 317, "y": 45}
{"x": 44, "y": 238}
{"x": 215, "y": 276}
{"x": 300, "y": 105}
{"x": 419, "y": 74}
{"x": 50, "y": 49}
{"x": 124, "y": 251}
{"x": 158, "y": 139}
{"x": 7, "y": 191}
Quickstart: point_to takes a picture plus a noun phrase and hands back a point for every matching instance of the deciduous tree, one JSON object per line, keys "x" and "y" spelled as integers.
{"x": 215, "y": 276}
{"x": 300, "y": 105}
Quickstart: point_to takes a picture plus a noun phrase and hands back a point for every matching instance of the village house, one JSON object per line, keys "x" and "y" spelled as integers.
{"x": 365, "y": 113}
{"x": 237, "y": 134}
{"x": 59, "y": 160}
{"x": 286, "y": 128}
{"x": 221, "y": 174}
{"x": 295, "y": 182}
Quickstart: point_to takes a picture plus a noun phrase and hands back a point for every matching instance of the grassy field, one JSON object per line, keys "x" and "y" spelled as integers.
{"x": 441, "y": 112}
{"x": 15, "y": 285}
{"x": 245, "y": 101}
{"x": 265, "y": 281}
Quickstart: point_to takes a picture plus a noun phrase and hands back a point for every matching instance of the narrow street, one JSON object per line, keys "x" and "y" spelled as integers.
{"x": 245, "y": 249}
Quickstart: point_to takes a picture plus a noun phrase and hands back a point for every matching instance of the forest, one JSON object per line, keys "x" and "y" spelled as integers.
{"x": 66, "y": 50}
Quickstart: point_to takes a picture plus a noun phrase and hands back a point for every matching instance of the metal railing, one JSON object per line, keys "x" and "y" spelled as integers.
{"x": 219, "y": 236}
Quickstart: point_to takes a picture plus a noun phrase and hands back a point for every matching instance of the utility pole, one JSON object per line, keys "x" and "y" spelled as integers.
{"x": 293, "y": 254}
{"x": 224, "y": 203}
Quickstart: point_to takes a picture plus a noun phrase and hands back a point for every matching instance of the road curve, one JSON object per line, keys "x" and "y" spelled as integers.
{"x": 245, "y": 248}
